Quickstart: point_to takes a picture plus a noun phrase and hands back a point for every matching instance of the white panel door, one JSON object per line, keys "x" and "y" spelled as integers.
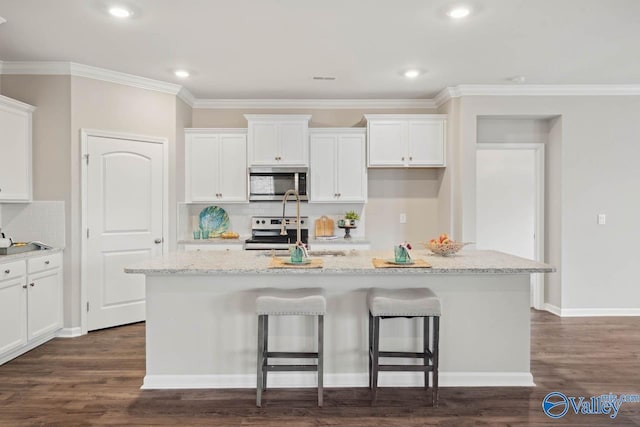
{"x": 426, "y": 142}
{"x": 351, "y": 169}
{"x": 125, "y": 222}
{"x": 13, "y": 314}
{"x": 323, "y": 164}
{"x": 232, "y": 168}
{"x": 387, "y": 143}
{"x": 203, "y": 153}
{"x": 44, "y": 297}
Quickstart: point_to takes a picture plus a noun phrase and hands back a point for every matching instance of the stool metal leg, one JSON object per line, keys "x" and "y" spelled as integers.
{"x": 436, "y": 355}
{"x": 320, "y": 359}
{"x": 376, "y": 361}
{"x": 265, "y": 334}
{"x": 260, "y": 365}
{"x": 370, "y": 352}
{"x": 426, "y": 344}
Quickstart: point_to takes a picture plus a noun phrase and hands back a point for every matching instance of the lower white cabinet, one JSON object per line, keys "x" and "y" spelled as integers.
{"x": 30, "y": 303}
{"x": 194, "y": 247}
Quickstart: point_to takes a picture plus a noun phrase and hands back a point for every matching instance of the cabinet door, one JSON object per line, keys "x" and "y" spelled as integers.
{"x": 427, "y": 142}
{"x": 323, "y": 168}
{"x": 351, "y": 169}
{"x": 44, "y": 303}
{"x": 15, "y": 152}
{"x": 293, "y": 143}
{"x": 263, "y": 141}
{"x": 202, "y": 168}
{"x": 387, "y": 143}
{"x": 233, "y": 168}
{"x": 13, "y": 314}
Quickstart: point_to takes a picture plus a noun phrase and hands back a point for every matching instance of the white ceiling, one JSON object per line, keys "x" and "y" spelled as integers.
{"x": 273, "y": 48}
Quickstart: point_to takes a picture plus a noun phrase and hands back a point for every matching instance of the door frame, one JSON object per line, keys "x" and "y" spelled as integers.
{"x": 537, "y": 280}
{"x": 84, "y": 150}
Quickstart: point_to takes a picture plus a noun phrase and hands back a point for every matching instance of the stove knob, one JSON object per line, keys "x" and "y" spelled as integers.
{"x": 302, "y": 221}
{"x": 257, "y": 221}
{"x": 263, "y": 221}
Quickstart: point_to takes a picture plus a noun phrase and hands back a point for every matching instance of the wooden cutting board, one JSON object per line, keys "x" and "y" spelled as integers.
{"x": 324, "y": 226}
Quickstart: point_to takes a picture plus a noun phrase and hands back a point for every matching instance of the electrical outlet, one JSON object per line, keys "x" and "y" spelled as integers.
{"x": 403, "y": 218}
{"x": 602, "y": 219}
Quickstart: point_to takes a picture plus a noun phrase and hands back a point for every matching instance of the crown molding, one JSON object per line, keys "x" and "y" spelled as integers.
{"x": 16, "y": 104}
{"x": 187, "y": 96}
{"x": 320, "y": 104}
{"x": 80, "y": 70}
{"x": 548, "y": 90}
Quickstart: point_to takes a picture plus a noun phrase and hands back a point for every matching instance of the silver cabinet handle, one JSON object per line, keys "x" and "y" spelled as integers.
{"x": 403, "y": 159}
{"x": 410, "y": 158}
{"x": 24, "y": 286}
{"x": 47, "y": 262}
{"x": 157, "y": 241}
{"x": 32, "y": 284}
{"x": 7, "y": 271}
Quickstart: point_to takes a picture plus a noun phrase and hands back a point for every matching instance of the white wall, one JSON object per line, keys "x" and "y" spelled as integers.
{"x": 597, "y": 174}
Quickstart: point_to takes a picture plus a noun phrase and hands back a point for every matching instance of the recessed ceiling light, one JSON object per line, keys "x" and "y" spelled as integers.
{"x": 120, "y": 12}
{"x": 2, "y": 20}
{"x": 324, "y": 78}
{"x": 459, "y": 12}
{"x": 411, "y": 74}
{"x": 182, "y": 74}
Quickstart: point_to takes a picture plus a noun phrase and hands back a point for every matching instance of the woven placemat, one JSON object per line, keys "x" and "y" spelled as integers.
{"x": 417, "y": 263}
{"x": 280, "y": 263}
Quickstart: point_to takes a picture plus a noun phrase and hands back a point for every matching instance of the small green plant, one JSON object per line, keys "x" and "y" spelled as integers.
{"x": 352, "y": 215}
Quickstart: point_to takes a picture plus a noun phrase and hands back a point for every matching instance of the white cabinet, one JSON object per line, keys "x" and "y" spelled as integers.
{"x": 15, "y": 150}
{"x": 216, "y": 165}
{"x": 338, "y": 171}
{"x": 278, "y": 140}
{"x": 30, "y": 303}
{"x": 408, "y": 140}
{"x": 195, "y": 247}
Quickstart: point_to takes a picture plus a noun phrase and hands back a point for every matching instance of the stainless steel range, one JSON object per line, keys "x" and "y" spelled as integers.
{"x": 265, "y": 232}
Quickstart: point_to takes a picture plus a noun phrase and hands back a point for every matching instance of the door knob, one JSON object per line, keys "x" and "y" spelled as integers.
{"x": 157, "y": 241}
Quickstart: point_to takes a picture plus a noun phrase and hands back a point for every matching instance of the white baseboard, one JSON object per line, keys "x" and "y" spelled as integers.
{"x": 552, "y": 309}
{"x": 70, "y": 332}
{"x": 308, "y": 379}
{"x": 591, "y": 312}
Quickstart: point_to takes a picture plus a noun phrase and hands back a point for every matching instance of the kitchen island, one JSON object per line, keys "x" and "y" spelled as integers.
{"x": 201, "y": 329}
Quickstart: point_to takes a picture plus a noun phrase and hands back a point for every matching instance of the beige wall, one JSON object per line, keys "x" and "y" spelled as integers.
{"x": 51, "y": 96}
{"x": 597, "y": 173}
{"x": 184, "y": 115}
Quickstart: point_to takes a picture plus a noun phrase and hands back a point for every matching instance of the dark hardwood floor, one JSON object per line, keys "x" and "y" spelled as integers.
{"x": 95, "y": 380}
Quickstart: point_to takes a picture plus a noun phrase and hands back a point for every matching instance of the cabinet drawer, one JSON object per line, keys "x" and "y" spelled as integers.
{"x": 11, "y": 270}
{"x": 44, "y": 263}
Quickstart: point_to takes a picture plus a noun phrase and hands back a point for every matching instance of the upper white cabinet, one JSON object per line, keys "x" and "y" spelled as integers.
{"x": 278, "y": 140}
{"x": 15, "y": 150}
{"x": 338, "y": 165}
{"x": 216, "y": 165}
{"x": 408, "y": 140}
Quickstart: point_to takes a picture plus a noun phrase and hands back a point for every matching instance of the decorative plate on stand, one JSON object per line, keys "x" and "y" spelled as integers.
{"x": 214, "y": 221}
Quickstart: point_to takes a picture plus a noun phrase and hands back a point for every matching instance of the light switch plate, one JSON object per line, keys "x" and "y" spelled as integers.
{"x": 403, "y": 218}
{"x": 602, "y": 219}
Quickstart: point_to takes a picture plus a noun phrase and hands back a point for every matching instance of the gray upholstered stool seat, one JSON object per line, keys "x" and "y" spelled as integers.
{"x": 302, "y": 302}
{"x": 414, "y": 302}
{"x": 403, "y": 302}
{"x": 288, "y": 302}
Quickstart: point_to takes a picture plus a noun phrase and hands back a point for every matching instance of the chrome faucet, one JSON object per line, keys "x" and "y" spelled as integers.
{"x": 283, "y": 228}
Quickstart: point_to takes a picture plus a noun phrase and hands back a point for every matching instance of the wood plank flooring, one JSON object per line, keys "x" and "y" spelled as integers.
{"x": 95, "y": 380}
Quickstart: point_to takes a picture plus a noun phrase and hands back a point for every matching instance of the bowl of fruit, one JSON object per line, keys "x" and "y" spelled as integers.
{"x": 444, "y": 246}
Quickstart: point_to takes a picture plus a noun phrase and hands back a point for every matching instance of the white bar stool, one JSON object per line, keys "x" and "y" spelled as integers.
{"x": 288, "y": 302}
{"x": 393, "y": 303}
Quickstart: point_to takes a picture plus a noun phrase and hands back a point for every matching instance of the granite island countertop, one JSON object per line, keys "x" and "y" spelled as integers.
{"x": 353, "y": 262}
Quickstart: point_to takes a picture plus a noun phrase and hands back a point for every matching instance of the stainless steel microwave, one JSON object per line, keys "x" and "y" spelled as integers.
{"x": 271, "y": 183}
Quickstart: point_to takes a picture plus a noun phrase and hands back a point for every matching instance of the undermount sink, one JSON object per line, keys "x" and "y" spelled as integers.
{"x": 284, "y": 252}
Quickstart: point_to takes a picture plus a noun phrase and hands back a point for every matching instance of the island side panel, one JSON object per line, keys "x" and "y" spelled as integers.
{"x": 201, "y": 330}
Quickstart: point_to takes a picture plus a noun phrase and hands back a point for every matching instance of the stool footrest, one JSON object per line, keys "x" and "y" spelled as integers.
{"x": 291, "y": 367}
{"x": 293, "y": 354}
{"x": 417, "y": 368}
{"x": 403, "y": 354}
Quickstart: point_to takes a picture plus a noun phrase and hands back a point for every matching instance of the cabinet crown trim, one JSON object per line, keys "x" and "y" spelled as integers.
{"x": 404, "y": 116}
{"x": 5, "y": 100}
{"x": 192, "y": 131}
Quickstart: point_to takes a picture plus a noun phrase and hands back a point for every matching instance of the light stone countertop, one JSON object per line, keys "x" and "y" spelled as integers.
{"x": 354, "y": 262}
{"x": 30, "y": 254}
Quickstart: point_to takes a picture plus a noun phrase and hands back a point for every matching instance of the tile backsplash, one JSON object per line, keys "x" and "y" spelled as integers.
{"x": 38, "y": 220}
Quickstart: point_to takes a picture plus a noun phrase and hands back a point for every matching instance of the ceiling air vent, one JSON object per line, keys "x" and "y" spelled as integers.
{"x": 323, "y": 78}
